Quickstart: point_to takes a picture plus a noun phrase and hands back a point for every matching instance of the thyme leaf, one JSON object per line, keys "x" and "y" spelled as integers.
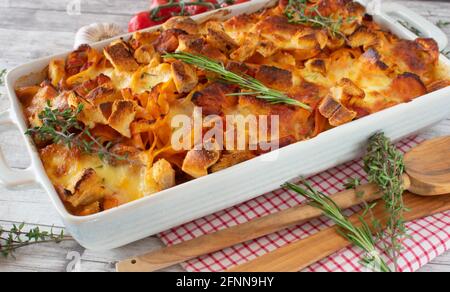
{"x": 384, "y": 166}
{"x": 63, "y": 127}
{"x": 14, "y": 238}
{"x": 298, "y": 12}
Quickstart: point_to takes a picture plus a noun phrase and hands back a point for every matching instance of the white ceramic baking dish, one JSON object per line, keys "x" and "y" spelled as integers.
{"x": 245, "y": 181}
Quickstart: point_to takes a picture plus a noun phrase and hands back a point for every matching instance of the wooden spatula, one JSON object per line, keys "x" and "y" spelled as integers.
{"x": 301, "y": 254}
{"x": 428, "y": 174}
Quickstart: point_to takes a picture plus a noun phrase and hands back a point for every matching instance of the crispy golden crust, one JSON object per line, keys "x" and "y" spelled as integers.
{"x": 122, "y": 114}
{"x": 121, "y": 57}
{"x": 184, "y": 76}
{"x": 130, "y": 94}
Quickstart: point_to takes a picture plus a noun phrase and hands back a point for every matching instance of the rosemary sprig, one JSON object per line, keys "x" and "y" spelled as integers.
{"x": 243, "y": 81}
{"x": 63, "y": 127}
{"x": 298, "y": 12}
{"x": 360, "y": 236}
{"x": 15, "y": 238}
{"x": 385, "y": 167}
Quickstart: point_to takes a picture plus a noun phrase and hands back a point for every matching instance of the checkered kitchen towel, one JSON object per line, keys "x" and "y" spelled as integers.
{"x": 430, "y": 236}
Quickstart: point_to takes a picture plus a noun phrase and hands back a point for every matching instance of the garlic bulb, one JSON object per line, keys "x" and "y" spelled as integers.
{"x": 97, "y": 32}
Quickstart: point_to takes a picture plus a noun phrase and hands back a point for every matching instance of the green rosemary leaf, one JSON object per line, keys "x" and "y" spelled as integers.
{"x": 243, "y": 81}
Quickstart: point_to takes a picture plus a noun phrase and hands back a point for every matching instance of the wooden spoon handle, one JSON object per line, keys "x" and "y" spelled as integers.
{"x": 301, "y": 254}
{"x": 206, "y": 244}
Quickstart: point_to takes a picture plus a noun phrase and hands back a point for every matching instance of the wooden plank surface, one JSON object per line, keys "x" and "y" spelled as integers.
{"x": 30, "y": 29}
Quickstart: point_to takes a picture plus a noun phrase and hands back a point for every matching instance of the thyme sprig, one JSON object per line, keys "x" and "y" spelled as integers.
{"x": 298, "y": 12}
{"x": 360, "y": 236}
{"x": 384, "y": 166}
{"x": 63, "y": 127}
{"x": 15, "y": 238}
{"x": 254, "y": 86}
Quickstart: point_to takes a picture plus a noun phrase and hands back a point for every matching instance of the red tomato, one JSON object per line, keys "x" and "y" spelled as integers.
{"x": 227, "y": 3}
{"x": 142, "y": 20}
{"x": 197, "y": 9}
{"x": 165, "y": 13}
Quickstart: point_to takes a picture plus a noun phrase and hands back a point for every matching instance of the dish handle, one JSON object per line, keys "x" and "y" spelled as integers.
{"x": 426, "y": 28}
{"x": 10, "y": 177}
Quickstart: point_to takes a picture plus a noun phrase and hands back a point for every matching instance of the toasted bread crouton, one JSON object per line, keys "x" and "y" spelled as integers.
{"x": 214, "y": 99}
{"x": 146, "y": 55}
{"x": 123, "y": 113}
{"x": 168, "y": 41}
{"x": 232, "y": 158}
{"x": 221, "y": 40}
{"x": 184, "y": 76}
{"x": 120, "y": 56}
{"x": 197, "y": 162}
{"x": 184, "y": 23}
{"x": 406, "y": 87}
{"x": 163, "y": 174}
{"x": 274, "y": 77}
{"x": 335, "y": 112}
{"x": 88, "y": 189}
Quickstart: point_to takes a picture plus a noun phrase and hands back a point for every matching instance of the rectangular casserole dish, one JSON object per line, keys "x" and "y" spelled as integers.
{"x": 183, "y": 203}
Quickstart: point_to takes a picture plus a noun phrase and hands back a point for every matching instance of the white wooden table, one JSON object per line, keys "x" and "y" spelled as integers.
{"x": 30, "y": 29}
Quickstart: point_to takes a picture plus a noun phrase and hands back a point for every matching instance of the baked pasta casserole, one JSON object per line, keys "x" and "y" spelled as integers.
{"x": 101, "y": 120}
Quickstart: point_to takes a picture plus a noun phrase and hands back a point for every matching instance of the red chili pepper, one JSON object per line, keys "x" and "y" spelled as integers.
{"x": 197, "y": 9}
{"x": 142, "y": 20}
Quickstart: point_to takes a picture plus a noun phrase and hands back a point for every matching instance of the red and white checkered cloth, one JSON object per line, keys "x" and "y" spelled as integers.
{"x": 430, "y": 236}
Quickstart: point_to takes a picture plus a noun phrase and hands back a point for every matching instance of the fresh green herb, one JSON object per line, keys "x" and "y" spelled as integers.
{"x": 246, "y": 82}
{"x": 62, "y": 126}
{"x": 442, "y": 23}
{"x": 385, "y": 167}
{"x": 298, "y": 12}
{"x": 352, "y": 183}
{"x": 15, "y": 238}
{"x": 410, "y": 27}
{"x": 360, "y": 236}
